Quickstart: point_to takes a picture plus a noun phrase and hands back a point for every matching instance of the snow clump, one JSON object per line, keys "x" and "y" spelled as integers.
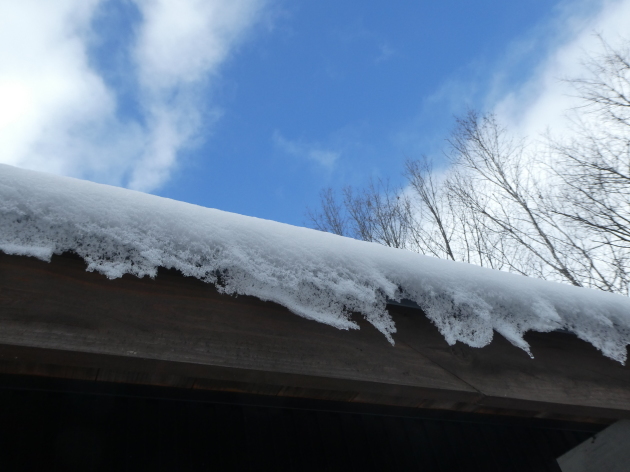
{"x": 319, "y": 276}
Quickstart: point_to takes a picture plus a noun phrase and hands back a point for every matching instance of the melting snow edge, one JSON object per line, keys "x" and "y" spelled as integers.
{"x": 316, "y": 275}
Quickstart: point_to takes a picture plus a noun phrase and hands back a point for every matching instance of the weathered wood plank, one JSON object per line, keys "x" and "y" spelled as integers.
{"x": 198, "y": 332}
{"x": 58, "y": 320}
{"x": 565, "y": 373}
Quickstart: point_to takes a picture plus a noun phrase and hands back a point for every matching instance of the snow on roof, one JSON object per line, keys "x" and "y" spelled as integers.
{"x": 316, "y": 275}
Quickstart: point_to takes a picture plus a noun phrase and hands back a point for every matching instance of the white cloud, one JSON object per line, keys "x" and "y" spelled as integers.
{"x": 543, "y": 101}
{"x": 181, "y": 41}
{"x": 58, "y": 114}
{"x": 180, "y": 46}
{"x": 385, "y": 53}
{"x": 310, "y": 151}
{"x": 45, "y": 79}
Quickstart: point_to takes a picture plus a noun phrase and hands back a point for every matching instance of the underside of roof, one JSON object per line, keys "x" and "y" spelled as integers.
{"x": 79, "y": 425}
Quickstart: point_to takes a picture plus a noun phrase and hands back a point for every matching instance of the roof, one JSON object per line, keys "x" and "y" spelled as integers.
{"x": 59, "y": 321}
{"x": 316, "y": 275}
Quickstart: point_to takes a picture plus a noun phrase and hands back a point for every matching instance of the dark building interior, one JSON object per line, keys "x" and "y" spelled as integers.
{"x": 62, "y": 425}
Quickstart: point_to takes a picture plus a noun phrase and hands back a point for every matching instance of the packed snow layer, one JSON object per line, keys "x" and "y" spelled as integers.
{"x": 316, "y": 275}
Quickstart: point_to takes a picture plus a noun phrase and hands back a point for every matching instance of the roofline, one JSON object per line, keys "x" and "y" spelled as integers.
{"x": 57, "y": 320}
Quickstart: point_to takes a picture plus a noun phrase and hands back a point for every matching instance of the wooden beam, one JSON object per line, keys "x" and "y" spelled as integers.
{"x": 59, "y": 320}
{"x": 606, "y": 451}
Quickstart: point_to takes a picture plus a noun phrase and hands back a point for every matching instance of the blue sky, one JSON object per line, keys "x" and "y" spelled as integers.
{"x": 348, "y": 79}
{"x": 253, "y": 107}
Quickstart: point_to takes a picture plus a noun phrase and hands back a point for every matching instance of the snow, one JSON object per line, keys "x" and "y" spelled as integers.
{"x": 316, "y": 275}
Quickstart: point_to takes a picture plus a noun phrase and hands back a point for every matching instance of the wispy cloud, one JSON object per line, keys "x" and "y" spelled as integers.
{"x": 311, "y": 151}
{"x": 58, "y": 114}
{"x": 542, "y": 101}
{"x": 525, "y": 88}
{"x": 385, "y": 52}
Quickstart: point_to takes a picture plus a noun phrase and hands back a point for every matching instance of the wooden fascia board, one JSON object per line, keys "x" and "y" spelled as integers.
{"x": 57, "y": 319}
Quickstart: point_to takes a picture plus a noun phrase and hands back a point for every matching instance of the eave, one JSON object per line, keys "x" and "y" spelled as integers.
{"x": 57, "y": 320}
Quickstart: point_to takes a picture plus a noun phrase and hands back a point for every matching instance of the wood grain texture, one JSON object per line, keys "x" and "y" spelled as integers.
{"x": 566, "y": 375}
{"x": 58, "y": 320}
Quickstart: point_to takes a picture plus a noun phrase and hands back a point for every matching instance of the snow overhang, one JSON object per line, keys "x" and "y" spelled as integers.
{"x": 318, "y": 276}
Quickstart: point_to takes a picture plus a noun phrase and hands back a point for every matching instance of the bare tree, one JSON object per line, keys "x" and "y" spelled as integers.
{"x": 493, "y": 179}
{"x": 377, "y": 213}
{"x": 433, "y": 228}
{"x": 561, "y": 212}
{"x": 331, "y": 217}
{"x": 594, "y": 166}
